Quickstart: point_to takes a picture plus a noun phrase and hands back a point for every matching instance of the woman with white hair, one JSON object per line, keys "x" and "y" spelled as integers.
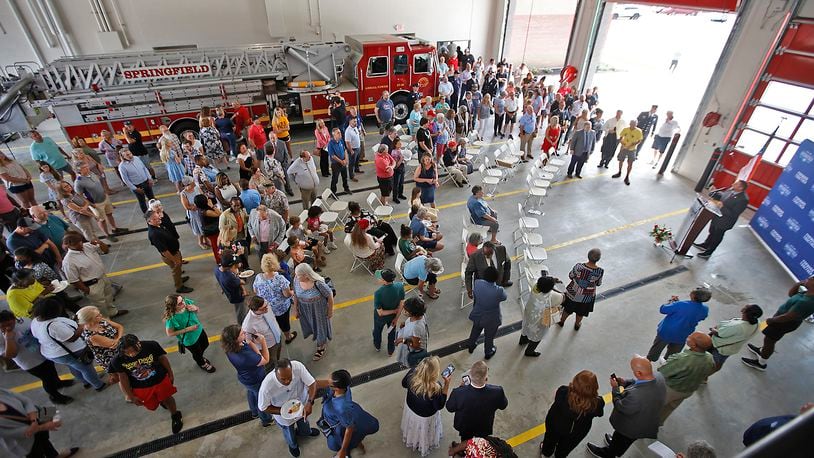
{"x": 440, "y": 134}
{"x": 313, "y": 306}
{"x": 101, "y": 335}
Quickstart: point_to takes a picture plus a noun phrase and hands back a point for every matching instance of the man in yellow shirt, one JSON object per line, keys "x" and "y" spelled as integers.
{"x": 629, "y": 140}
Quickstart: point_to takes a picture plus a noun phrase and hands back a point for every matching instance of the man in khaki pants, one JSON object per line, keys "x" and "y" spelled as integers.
{"x": 167, "y": 245}
{"x": 85, "y": 270}
{"x": 528, "y": 130}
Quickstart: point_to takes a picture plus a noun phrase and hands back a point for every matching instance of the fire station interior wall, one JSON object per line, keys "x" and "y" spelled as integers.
{"x": 758, "y": 25}
{"x": 208, "y": 23}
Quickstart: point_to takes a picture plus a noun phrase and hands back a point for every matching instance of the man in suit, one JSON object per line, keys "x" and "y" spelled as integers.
{"x": 635, "y": 411}
{"x": 647, "y": 121}
{"x": 485, "y": 315}
{"x": 732, "y": 203}
{"x": 489, "y": 255}
{"x": 475, "y": 402}
{"x": 582, "y": 145}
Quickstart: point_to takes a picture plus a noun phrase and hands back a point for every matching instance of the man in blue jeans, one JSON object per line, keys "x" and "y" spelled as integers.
{"x": 339, "y": 160}
{"x": 289, "y": 380}
{"x": 353, "y": 140}
{"x": 388, "y": 301}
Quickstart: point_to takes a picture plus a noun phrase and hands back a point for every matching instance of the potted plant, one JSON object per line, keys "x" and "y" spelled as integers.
{"x": 662, "y": 234}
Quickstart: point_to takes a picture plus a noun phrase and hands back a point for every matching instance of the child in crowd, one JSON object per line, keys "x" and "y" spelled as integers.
{"x": 296, "y": 250}
{"x": 315, "y": 226}
{"x": 407, "y": 245}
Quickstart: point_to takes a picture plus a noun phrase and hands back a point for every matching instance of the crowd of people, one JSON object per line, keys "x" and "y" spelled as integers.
{"x": 45, "y": 325}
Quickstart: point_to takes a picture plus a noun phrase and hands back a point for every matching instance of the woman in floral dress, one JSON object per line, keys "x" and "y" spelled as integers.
{"x": 101, "y": 335}
{"x": 210, "y": 139}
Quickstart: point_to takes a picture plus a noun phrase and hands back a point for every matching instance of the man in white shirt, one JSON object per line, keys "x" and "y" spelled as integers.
{"x": 261, "y": 321}
{"x": 511, "y": 115}
{"x": 289, "y": 380}
{"x": 85, "y": 270}
{"x": 353, "y": 141}
{"x": 663, "y": 137}
{"x": 445, "y": 88}
{"x": 303, "y": 171}
{"x": 443, "y": 68}
{"x": 613, "y": 127}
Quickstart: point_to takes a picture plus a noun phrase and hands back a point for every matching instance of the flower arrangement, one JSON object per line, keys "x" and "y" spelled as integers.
{"x": 661, "y": 233}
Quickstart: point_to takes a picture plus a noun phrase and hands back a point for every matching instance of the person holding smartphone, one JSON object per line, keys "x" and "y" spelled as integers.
{"x": 249, "y": 353}
{"x": 421, "y": 426}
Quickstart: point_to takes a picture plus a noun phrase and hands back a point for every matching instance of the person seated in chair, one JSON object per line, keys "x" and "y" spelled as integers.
{"x": 481, "y": 214}
{"x": 426, "y": 232}
{"x": 364, "y": 246}
{"x": 458, "y": 170}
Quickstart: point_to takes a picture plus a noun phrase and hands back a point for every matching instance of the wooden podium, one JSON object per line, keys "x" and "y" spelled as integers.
{"x": 701, "y": 212}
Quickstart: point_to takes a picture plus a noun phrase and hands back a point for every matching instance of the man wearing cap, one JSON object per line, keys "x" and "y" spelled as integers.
{"x": 136, "y": 177}
{"x": 388, "y": 301}
{"x": 169, "y": 249}
{"x": 27, "y": 235}
{"x": 232, "y": 285}
{"x": 90, "y": 186}
{"x": 257, "y": 138}
{"x": 304, "y": 173}
{"x": 85, "y": 270}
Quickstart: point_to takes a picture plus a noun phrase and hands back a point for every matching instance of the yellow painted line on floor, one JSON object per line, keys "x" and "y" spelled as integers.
{"x": 363, "y": 299}
{"x": 132, "y": 201}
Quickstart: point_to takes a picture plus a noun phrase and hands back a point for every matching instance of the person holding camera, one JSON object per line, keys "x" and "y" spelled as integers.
{"x": 475, "y": 402}
{"x": 421, "y": 426}
{"x": 635, "y": 410}
{"x": 289, "y": 381}
{"x": 681, "y": 320}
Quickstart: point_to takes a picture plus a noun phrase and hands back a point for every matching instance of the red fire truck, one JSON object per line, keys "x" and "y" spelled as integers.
{"x": 93, "y": 93}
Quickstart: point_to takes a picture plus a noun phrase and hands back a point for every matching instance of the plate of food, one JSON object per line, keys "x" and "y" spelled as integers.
{"x": 246, "y": 273}
{"x": 59, "y": 285}
{"x": 291, "y": 409}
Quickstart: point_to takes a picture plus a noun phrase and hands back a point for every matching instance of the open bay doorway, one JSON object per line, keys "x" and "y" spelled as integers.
{"x": 654, "y": 55}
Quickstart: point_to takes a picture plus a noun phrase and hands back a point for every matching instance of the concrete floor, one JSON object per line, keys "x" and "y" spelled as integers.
{"x": 580, "y": 214}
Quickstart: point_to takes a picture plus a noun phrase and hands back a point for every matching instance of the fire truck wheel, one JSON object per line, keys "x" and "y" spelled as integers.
{"x": 401, "y": 108}
{"x": 181, "y": 126}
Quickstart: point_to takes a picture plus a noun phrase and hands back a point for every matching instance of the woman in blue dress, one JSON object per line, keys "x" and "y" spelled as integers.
{"x": 175, "y": 169}
{"x": 343, "y": 421}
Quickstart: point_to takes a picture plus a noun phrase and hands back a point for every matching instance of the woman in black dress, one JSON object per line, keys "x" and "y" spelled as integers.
{"x": 569, "y": 418}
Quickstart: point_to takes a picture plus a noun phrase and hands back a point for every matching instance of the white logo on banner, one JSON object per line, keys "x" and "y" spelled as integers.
{"x": 762, "y": 222}
{"x": 811, "y": 215}
{"x": 776, "y": 235}
{"x": 777, "y": 211}
{"x": 806, "y": 156}
{"x": 799, "y": 202}
{"x": 807, "y": 267}
{"x": 790, "y": 250}
{"x": 809, "y": 239}
{"x": 801, "y": 177}
{"x": 793, "y": 225}
{"x": 784, "y": 189}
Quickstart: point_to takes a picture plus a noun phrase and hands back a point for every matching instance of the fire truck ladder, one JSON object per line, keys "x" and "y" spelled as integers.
{"x": 292, "y": 62}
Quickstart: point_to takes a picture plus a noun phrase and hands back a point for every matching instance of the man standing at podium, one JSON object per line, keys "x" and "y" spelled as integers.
{"x": 732, "y": 203}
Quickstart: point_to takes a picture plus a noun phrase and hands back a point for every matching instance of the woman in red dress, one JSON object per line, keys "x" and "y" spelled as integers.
{"x": 552, "y": 136}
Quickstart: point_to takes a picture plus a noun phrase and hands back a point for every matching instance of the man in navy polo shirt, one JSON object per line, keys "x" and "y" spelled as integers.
{"x": 339, "y": 161}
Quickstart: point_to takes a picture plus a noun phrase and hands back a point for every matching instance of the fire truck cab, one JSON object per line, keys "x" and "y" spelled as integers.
{"x": 153, "y": 88}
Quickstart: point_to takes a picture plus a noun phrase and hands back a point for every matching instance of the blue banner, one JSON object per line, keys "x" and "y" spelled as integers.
{"x": 785, "y": 219}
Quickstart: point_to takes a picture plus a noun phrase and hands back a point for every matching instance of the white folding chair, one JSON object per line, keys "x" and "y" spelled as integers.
{"x": 447, "y": 175}
{"x": 508, "y": 163}
{"x": 529, "y": 221}
{"x": 539, "y": 174}
{"x": 488, "y": 180}
{"x": 556, "y": 162}
{"x": 534, "y": 193}
{"x": 357, "y": 261}
{"x": 514, "y": 150}
{"x": 303, "y": 216}
{"x": 470, "y": 226}
{"x": 334, "y": 204}
{"x": 526, "y": 238}
{"x": 535, "y": 255}
{"x": 327, "y": 217}
{"x": 380, "y": 211}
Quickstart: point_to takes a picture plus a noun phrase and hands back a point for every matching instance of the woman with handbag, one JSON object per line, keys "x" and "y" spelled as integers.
{"x": 102, "y": 335}
{"x": 413, "y": 337}
{"x": 181, "y": 321}
{"x": 60, "y": 341}
{"x": 23, "y": 432}
{"x": 314, "y": 306}
{"x": 344, "y": 422}
{"x": 421, "y": 427}
{"x": 539, "y": 312}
